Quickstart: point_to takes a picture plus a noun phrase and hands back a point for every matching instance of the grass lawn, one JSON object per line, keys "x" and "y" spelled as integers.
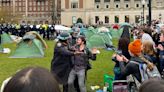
{"x": 103, "y": 64}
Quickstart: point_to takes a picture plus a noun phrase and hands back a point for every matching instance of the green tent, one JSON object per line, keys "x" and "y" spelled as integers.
{"x": 107, "y": 38}
{"x": 99, "y": 40}
{"x": 89, "y": 33}
{"x": 5, "y": 38}
{"x": 32, "y": 45}
{"x": 29, "y": 49}
{"x": 116, "y": 33}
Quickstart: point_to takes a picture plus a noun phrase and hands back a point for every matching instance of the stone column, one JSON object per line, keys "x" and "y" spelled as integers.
{"x": 112, "y": 4}
{"x": 26, "y": 7}
{"x": 13, "y": 7}
{"x": 132, "y": 4}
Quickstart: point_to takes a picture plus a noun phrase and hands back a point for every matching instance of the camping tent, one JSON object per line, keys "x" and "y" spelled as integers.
{"x": 5, "y": 38}
{"x": 30, "y": 46}
{"x": 103, "y": 29}
{"x": 99, "y": 40}
{"x": 63, "y": 28}
{"x": 116, "y": 33}
{"x": 89, "y": 33}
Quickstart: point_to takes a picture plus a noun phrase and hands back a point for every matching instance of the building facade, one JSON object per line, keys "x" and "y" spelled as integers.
{"x": 30, "y": 11}
{"x": 109, "y": 11}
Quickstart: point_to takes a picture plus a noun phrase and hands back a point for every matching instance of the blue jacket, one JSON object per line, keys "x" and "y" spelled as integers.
{"x": 161, "y": 59}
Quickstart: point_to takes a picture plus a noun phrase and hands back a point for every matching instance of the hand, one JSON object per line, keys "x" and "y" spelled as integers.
{"x": 94, "y": 51}
{"x": 77, "y": 52}
{"x": 125, "y": 59}
{"x": 119, "y": 58}
{"x": 160, "y": 47}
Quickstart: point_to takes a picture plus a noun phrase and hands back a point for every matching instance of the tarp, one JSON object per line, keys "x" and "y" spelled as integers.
{"x": 63, "y": 28}
{"x": 5, "y": 38}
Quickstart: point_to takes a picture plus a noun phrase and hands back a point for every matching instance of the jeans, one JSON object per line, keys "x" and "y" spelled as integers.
{"x": 81, "y": 80}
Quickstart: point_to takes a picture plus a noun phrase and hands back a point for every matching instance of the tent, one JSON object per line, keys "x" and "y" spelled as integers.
{"x": 125, "y": 24}
{"x": 63, "y": 28}
{"x": 103, "y": 29}
{"x": 96, "y": 41}
{"x": 89, "y": 33}
{"x": 99, "y": 40}
{"x": 29, "y": 47}
{"x": 116, "y": 33}
{"x": 5, "y": 38}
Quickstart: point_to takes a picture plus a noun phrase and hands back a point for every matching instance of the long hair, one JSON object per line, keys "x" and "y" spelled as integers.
{"x": 123, "y": 46}
{"x": 148, "y": 48}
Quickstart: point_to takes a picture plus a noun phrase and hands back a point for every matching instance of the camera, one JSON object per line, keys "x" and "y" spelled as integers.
{"x": 118, "y": 52}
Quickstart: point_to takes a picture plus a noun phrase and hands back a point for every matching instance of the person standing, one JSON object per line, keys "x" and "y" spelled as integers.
{"x": 61, "y": 62}
{"x": 80, "y": 63}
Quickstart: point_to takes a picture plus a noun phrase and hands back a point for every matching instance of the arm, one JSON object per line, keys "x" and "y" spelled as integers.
{"x": 64, "y": 51}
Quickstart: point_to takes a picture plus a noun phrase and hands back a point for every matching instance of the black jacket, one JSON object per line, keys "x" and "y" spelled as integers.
{"x": 131, "y": 68}
{"x": 61, "y": 63}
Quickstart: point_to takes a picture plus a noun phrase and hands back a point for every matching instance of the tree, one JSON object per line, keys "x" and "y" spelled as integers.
{"x": 79, "y": 20}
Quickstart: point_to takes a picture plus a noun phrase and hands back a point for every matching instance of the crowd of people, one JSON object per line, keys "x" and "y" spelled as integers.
{"x": 146, "y": 48}
{"x": 47, "y": 31}
{"x": 71, "y": 60}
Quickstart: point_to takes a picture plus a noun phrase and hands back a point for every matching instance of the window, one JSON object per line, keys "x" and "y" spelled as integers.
{"x": 97, "y": 1}
{"x": 117, "y": 0}
{"x": 159, "y": 3}
{"x": 127, "y": 6}
{"x": 127, "y": 18}
{"x": 46, "y": 8}
{"x": 42, "y": 8}
{"x": 106, "y": 0}
{"x": 96, "y": 19}
{"x": 34, "y": 8}
{"x": 38, "y": 8}
{"x": 116, "y": 19}
{"x": 137, "y": 5}
{"x": 19, "y": 3}
{"x": 30, "y": 3}
{"x": 97, "y": 6}
{"x": 137, "y": 18}
{"x": 74, "y": 5}
{"x": 126, "y": 0}
{"x": 30, "y": 8}
{"x": 117, "y": 6}
{"x": 106, "y": 19}
{"x": 107, "y": 6}
{"x": 20, "y": 9}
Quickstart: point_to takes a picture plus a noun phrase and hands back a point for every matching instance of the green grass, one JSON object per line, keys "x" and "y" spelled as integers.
{"x": 103, "y": 64}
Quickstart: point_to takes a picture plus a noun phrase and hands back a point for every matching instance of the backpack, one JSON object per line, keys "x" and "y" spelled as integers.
{"x": 145, "y": 73}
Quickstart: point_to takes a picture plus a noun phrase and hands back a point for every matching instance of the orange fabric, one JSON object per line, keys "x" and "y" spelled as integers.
{"x": 135, "y": 47}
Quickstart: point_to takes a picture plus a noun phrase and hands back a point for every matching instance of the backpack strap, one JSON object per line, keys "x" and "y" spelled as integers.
{"x": 141, "y": 69}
